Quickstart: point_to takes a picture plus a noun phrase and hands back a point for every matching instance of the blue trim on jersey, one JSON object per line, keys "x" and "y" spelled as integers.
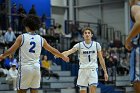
{"x": 97, "y": 71}
{"x": 89, "y": 46}
{"x": 22, "y": 40}
{"x": 41, "y": 42}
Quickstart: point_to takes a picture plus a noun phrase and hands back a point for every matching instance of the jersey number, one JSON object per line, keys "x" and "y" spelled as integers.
{"x": 33, "y": 45}
{"x": 89, "y": 58}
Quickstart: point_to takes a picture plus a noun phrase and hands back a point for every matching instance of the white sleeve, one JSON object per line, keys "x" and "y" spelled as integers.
{"x": 98, "y": 46}
{"x": 76, "y": 46}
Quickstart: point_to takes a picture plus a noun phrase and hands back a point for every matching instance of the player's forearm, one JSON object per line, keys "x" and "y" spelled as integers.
{"x": 102, "y": 62}
{"x": 57, "y": 53}
{"x": 69, "y": 52}
{"x": 135, "y": 31}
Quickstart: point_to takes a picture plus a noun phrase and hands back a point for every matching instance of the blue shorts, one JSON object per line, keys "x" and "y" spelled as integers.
{"x": 135, "y": 64}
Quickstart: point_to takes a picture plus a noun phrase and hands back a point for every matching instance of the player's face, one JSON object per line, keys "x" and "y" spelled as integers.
{"x": 87, "y": 35}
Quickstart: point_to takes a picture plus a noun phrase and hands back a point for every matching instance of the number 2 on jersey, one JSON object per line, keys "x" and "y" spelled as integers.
{"x": 89, "y": 58}
{"x": 33, "y": 45}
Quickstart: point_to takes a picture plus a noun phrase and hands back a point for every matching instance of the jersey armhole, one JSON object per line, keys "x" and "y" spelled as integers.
{"x": 22, "y": 40}
{"x": 42, "y": 41}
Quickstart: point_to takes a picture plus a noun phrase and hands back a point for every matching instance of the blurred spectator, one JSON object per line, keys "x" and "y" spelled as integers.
{"x": 46, "y": 68}
{"x": 21, "y": 11}
{"x": 9, "y": 37}
{"x": 14, "y": 19}
{"x": 123, "y": 68}
{"x": 32, "y": 10}
{"x": 118, "y": 43}
{"x": 2, "y": 41}
{"x": 51, "y": 31}
{"x": 12, "y": 76}
{"x": 9, "y": 61}
{"x": 42, "y": 29}
{"x": 3, "y": 72}
{"x": 46, "y": 63}
{"x": 58, "y": 30}
{"x": 111, "y": 44}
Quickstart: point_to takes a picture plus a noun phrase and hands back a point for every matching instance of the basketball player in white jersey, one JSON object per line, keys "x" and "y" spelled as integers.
{"x": 135, "y": 51}
{"x": 30, "y": 45}
{"x": 88, "y": 52}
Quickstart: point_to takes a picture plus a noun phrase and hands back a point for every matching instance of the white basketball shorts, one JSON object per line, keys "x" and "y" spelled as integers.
{"x": 87, "y": 77}
{"x": 29, "y": 77}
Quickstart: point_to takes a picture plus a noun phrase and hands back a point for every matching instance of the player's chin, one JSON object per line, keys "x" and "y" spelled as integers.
{"x": 87, "y": 38}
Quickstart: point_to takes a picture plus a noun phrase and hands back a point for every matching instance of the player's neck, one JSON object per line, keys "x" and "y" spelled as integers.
{"x": 87, "y": 41}
{"x": 32, "y": 32}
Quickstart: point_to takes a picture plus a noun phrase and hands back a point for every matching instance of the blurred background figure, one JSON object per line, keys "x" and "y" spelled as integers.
{"x": 9, "y": 37}
{"x": 9, "y": 61}
{"x": 32, "y": 10}
{"x": 12, "y": 76}
{"x": 46, "y": 68}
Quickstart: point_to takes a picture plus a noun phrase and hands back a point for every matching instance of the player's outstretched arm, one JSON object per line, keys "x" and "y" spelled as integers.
{"x": 102, "y": 62}
{"x": 135, "y": 10}
{"x": 13, "y": 48}
{"x": 69, "y": 52}
{"x": 54, "y": 51}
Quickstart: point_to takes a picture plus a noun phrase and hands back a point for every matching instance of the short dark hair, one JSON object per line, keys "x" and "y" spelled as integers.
{"x": 32, "y": 21}
{"x": 87, "y": 28}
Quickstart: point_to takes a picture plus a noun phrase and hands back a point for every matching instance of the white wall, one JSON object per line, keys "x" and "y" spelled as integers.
{"x": 89, "y": 14}
{"x": 112, "y": 13}
{"x": 58, "y": 14}
{"x": 87, "y": 2}
{"x": 59, "y": 11}
{"x": 58, "y": 2}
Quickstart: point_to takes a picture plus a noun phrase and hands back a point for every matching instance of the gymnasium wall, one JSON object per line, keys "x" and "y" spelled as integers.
{"x": 59, "y": 11}
{"x": 112, "y": 14}
{"x": 90, "y": 11}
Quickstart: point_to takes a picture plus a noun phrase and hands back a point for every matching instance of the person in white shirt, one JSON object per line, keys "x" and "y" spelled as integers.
{"x": 9, "y": 37}
{"x": 88, "y": 52}
{"x": 12, "y": 76}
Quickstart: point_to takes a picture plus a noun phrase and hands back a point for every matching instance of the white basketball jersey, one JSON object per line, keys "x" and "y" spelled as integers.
{"x": 88, "y": 54}
{"x": 29, "y": 52}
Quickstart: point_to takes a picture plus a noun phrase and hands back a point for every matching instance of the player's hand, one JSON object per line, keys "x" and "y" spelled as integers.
{"x": 128, "y": 44}
{"x": 66, "y": 59}
{"x": 106, "y": 76}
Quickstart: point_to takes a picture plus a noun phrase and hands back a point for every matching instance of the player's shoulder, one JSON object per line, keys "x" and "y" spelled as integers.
{"x": 135, "y": 8}
{"x": 96, "y": 42}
